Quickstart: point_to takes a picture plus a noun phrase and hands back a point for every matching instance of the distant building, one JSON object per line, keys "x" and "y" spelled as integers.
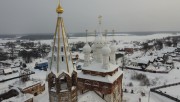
{"x": 5, "y": 71}
{"x": 15, "y": 95}
{"x": 27, "y": 85}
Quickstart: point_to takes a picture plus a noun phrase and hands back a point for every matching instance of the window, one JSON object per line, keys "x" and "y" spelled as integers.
{"x": 55, "y": 99}
{"x": 54, "y": 58}
{"x": 62, "y": 58}
{"x": 55, "y": 49}
{"x": 61, "y": 49}
{"x": 63, "y": 83}
{"x": 69, "y": 58}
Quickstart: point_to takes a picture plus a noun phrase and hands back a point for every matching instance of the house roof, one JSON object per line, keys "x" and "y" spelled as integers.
{"x": 7, "y": 70}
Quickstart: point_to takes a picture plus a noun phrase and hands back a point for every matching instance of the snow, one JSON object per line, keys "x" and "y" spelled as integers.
{"x": 90, "y": 96}
{"x": 7, "y": 70}
{"x": 62, "y": 68}
{"x": 19, "y": 98}
{"x": 172, "y": 91}
{"x": 42, "y": 61}
{"x": 107, "y": 78}
{"x": 27, "y": 84}
{"x": 94, "y": 66}
{"x": 161, "y": 79}
{"x": 143, "y": 60}
{"x": 152, "y": 98}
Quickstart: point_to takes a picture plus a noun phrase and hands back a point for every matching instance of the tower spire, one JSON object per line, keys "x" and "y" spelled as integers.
{"x": 62, "y": 75}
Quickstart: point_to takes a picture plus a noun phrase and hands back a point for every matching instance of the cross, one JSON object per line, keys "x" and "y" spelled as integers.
{"x": 100, "y": 19}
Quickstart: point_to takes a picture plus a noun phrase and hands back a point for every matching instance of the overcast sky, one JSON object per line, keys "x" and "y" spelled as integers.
{"x": 39, "y": 16}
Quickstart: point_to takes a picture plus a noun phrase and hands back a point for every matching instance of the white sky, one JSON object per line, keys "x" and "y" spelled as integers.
{"x": 39, "y": 16}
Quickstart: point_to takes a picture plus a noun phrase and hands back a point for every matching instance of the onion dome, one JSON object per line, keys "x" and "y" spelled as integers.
{"x": 106, "y": 50}
{"x": 59, "y": 9}
{"x": 87, "y": 48}
{"x": 113, "y": 47}
{"x": 93, "y": 47}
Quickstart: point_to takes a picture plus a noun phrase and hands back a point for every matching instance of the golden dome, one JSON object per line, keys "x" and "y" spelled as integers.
{"x": 59, "y": 9}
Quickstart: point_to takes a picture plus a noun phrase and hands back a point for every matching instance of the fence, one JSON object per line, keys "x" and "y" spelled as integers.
{"x": 164, "y": 94}
{"x": 4, "y": 80}
{"x": 145, "y": 70}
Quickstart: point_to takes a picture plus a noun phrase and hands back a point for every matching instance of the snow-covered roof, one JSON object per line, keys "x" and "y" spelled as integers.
{"x": 19, "y": 98}
{"x": 95, "y": 66}
{"x": 42, "y": 61}
{"x": 27, "y": 84}
{"x": 63, "y": 68}
{"x": 107, "y": 78}
{"x": 143, "y": 60}
{"x": 7, "y": 70}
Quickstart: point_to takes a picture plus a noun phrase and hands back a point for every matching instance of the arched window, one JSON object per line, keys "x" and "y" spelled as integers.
{"x": 52, "y": 82}
{"x": 63, "y": 83}
{"x": 55, "y": 99}
{"x": 74, "y": 76}
{"x": 87, "y": 82}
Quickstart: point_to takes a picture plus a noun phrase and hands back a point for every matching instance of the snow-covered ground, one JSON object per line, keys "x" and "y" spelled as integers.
{"x": 172, "y": 90}
{"x": 160, "y": 79}
{"x": 125, "y": 37}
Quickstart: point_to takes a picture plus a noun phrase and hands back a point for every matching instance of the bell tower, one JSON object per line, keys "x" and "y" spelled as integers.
{"x": 62, "y": 77}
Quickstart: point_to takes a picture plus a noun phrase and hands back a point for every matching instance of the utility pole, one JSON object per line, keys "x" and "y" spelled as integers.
{"x": 149, "y": 96}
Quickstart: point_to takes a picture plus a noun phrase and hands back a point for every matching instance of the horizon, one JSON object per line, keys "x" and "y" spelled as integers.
{"x": 74, "y": 33}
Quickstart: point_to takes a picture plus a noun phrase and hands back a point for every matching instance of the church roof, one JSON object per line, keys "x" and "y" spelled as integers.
{"x": 107, "y": 78}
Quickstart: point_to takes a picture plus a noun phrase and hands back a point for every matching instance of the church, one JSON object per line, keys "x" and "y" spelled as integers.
{"x": 100, "y": 76}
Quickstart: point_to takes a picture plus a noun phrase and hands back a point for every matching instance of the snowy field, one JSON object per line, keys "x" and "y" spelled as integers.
{"x": 125, "y": 37}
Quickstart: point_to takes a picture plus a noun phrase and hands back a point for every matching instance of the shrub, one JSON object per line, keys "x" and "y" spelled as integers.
{"x": 130, "y": 84}
{"x": 144, "y": 81}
